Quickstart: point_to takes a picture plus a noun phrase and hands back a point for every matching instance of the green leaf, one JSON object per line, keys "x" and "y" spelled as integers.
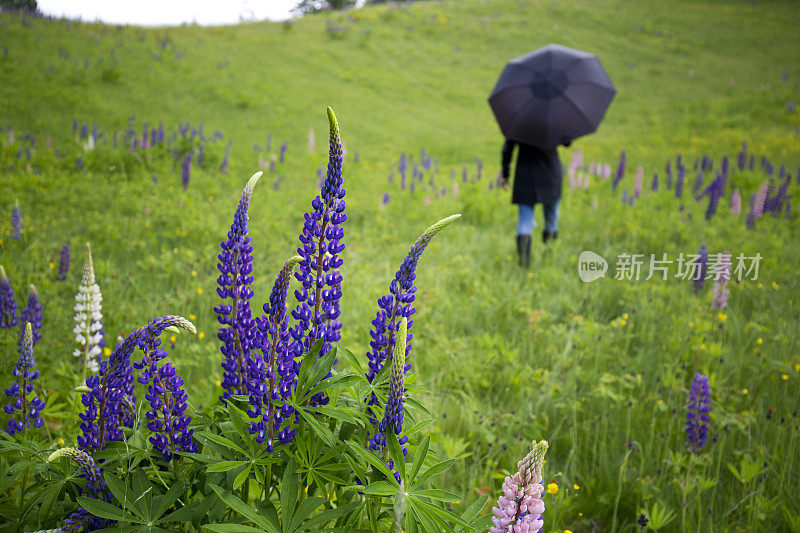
{"x": 352, "y": 416}
{"x": 435, "y": 470}
{"x": 124, "y": 495}
{"x": 330, "y": 514}
{"x": 49, "y": 500}
{"x": 419, "y": 426}
{"x": 243, "y": 509}
{"x": 169, "y": 499}
{"x": 350, "y": 357}
{"x": 380, "y": 488}
{"x": 289, "y": 488}
{"x": 374, "y": 461}
{"x": 419, "y": 457}
{"x": 421, "y": 517}
{"x": 237, "y": 419}
{"x": 224, "y": 441}
{"x": 396, "y": 453}
{"x": 102, "y": 509}
{"x": 224, "y": 466}
{"x": 188, "y": 512}
{"x": 307, "y": 364}
{"x": 322, "y": 431}
{"x": 475, "y": 508}
{"x": 241, "y": 477}
{"x": 438, "y": 495}
{"x": 232, "y": 528}
{"x": 305, "y": 508}
{"x": 444, "y": 513}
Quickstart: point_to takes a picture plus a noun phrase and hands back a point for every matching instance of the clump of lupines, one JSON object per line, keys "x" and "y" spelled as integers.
{"x": 63, "y": 265}
{"x": 16, "y": 222}
{"x": 109, "y": 391}
{"x": 186, "y": 169}
{"x": 701, "y": 268}
{"x": 697, "y": 416}
{"x": 237, "y": 333}
{"x": 8, "y": 303}
{"x": 721, "y": 292}
{"x": 398, "y": 304}
{"x": 32, "y": 314}
{"x": 95, "y": 488}
{"x": 29, "y": 408}
{"x": 277, "y": 380}
{"x": 317, "y": 309}
{"x": 520, "y": 507}
{"x": 88, "y": 318}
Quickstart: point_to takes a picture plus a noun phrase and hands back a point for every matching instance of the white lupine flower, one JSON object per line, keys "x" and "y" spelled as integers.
{"x": 88, "y": 317}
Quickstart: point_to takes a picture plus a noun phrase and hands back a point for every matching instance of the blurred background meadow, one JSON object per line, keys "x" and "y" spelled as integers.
{"x": 139, "y": 140}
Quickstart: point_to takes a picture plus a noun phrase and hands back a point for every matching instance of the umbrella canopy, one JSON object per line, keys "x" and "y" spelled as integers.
{"x": 551, "y": 96}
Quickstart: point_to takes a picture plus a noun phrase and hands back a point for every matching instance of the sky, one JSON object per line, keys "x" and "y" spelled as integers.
{"x": 169, "y": 12}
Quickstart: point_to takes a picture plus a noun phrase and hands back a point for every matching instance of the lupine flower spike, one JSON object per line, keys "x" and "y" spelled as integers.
{"x": 88, "y": 318}
{"x": 701, "y": 268}
{"x": 520, "y": 507}
{"x": 8, "y": 304}
{"x": 721, "y": 292}
{"x": 393, "y": 415}
{"x": 33, "y": 314}
{"x": 20, "y": 391}
{"x": 63, "y": 265}
{"x": 318, "y": 300}
{"x": 697, "y": 416}
{"x": 16, "y": 222}
{"x": 274, "y": 377}
{"x": 95, "y": 488}
{"x": 395, "y": 305}
{"x": 238, "y": 327}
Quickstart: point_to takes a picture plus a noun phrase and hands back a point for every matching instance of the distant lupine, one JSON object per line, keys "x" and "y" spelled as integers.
{"x": 29, "y": 409}
{"x": 224, "y": 165}
{"x": 402, "y": 165}
{"x": 736, "y": 202}
{"x": 272, "y": 160}
{"x": 284, "y": 146}
{"x": 455, "y": 189}
{"x": 310, "y": 140}
{"x": 186, "y": 169}
{"x": 697, "y": 416}
{"x": 79, "y": 163}
{"x": 479, "y": 165}
{"x": 741, "y": 157}
{"x": 8, "y": 304}
{"x": 88, "y": 308}
{"x": 16, "y": 222}
{"x": 32, "y": 314}
{"x": 775, "y": 204}
{"x": 752, "y": 163}
{"x": 520, "y": 508}
{"x": 679, "y": 181}
{"x": 620, "y": 170}
{"x": 757, "y": 201}
{"x": 637, "y": 190}
{"x": 707, "y": 165}
{"x": 723, "y": 275}
{"x": 654, "y": 183}
{"x": 698, "y": 182}
{"x": 625, "y": 197}
{"x": 385, "y": 198}
{"x": 701, "y": 268}
{"x": 200, "y": 155}
{"x": 668, "y": 170}
{"x": 238, "y": 333}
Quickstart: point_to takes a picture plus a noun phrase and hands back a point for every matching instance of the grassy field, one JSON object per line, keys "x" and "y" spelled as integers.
{"x": 601, "y": 370}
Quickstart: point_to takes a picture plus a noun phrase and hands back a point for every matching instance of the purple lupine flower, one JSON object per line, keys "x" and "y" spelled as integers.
{"x": 224, "y": 165}
{"x": 396, "y": 305}
{"x": 186, "y": 169}
{"x": 84, "y": 131}
{"x": 701, "y": 268}
{"x": 654, "y": 183}
{"x": 723, "y": 275}
{"x": 284, "y": 146}
{"x": 16, "y": 222}
{"x": 697, "y": 416}
{"x": 751, "y": 164}
{"x": 757, "y": 202}
{"x": 8, "y": 304}
{"x": 741, "y": 156}
{"x": 79, "y": 163}
{"x": 385, "y": 198}
{"x": 276, "y": 382}
{"x": 317, "y": 310}
{"x": 707, "y": 165}
{"x": 479, "y": 165}
{"x": 736, "y": 202}
{"x": 637, "y": 190}
{"x": 31, "y": 314}
{"x": 620, "y": 170}
{"x": 200, "y": 155}
{"x": 520, "y": 507}
{"x": 625, "y": 197}
{"x": 402, "y": 165}
{"x": 22, "y": 387}
{"x": 109, "y": 390}
{"x": 95, "y": 488}
{"x": 167, "y": 418}
{"x": 698, "y": 182}
{"x": 679, "y": 179}
{"x": 238, "y": 327}
{"x": 393, "y": 414}
{"x": 272, "y": 160}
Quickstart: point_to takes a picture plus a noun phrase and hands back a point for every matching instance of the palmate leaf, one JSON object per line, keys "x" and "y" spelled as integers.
{"x": 396, "y": 453}
{"x": 435, "y": 470}
{"x": 243, "y": 509}
{"x": 104, "y": 510}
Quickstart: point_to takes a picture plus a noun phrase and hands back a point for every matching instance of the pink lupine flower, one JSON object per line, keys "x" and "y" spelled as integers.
{"x": 736, "y": 202}
{"x": 520, "y": 507}
{"x": 721, "y": 292}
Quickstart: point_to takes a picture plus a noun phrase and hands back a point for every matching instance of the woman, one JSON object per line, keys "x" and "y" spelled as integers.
{"x": 537, "y": 180}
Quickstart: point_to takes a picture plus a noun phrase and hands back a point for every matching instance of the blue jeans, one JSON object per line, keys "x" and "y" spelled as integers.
{"x": 527, "y": 222}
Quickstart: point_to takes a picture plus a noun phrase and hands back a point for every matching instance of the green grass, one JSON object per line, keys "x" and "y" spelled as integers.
{"x": 509, "y": 356}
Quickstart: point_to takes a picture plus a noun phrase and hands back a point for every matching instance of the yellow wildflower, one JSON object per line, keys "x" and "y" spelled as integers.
{"x": 760, "y": 341}
{"x": 199, "y": 290}
{"x": 552, "y": 488}
{"x": 61, "y": 441}
{"x": 201, "y": 335}
{"x": 784, "y": 377}
{"x": 576, "y": 487}
{"x": 192, "y": 317}
{"x": 722, "y": 317}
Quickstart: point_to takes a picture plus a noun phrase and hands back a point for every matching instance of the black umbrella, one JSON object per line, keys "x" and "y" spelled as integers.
{"x": 551, "y": 96}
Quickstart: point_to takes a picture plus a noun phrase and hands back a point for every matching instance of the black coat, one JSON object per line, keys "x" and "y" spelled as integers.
{"x": 537, "y": 179}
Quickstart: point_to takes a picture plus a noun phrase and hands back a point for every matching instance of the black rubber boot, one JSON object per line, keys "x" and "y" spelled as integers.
{"x": 546, "y": 236}
{"x": 524, "y": 250}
